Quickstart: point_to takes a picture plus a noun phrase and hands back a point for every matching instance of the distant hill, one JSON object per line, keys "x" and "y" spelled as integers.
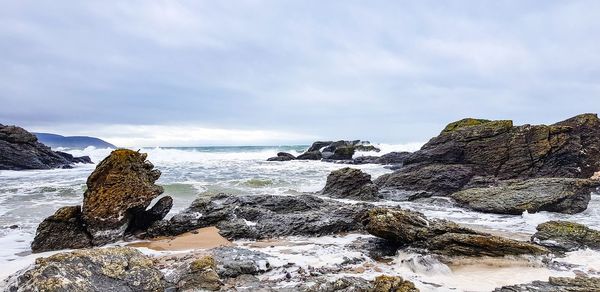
{"x": 54, "y": 141}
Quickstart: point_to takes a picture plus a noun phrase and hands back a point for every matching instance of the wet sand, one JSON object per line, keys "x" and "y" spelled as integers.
{"x": 203, "y": 238}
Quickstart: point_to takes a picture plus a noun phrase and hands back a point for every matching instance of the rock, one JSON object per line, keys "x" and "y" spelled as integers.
{"x": 143, "y": 219}
{"x": 200, "y": 274}
{"x": 376, "y": 248}
{"x": 121, "y": 186}
{"x": 318, "y": 146}
{"x": 65, "y": 223}
{"x": 311, "y": 155}
{"x": 264, "y": 216}
{"x": 439, "y": 236}
{"x": 350, "y": 183}
{"x": 386, "y": 283}
{"x": 282, "y": 156}
{"x": 557, "y": 284}
{"x": 21, "y": 150}
{"x": 566, "y": 236}
{"x": 436, "y": 179}
{"x": 234, "y": 261}
{"x": 563, "y": 195}
{"x": 98, "y": 269}
{"x": 476, "y": 245}
{"x": 342, "y": 153}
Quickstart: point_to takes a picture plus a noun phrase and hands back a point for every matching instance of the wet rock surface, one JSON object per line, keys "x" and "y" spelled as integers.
{"x": 106, "y": 269}
{"x": 264, "y": 216}
{"x": 566, "y": 236}
{"x": 435, "y": 179}
{"x": 282, "y": 156}
{"x": 557, "y": 284}
{"x": 350, "y": 183}
{"x": 563, "y": 195}
{"x": 21, "y": 150}
{"x": 409, "y": 228}
{"x": 66, "y": 223}
{"x": 336, "y": 150}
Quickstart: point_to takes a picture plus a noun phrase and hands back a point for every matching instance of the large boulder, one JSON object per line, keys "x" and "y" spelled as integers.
{"x": 557, "y": 284}
{"x": 21, "y": 150}
{"x": 65, "y": 223}
{"x": 98, "y": 269}
{"x": 439, "y": 236}
{"x": 566, "y": 236}
{"x": 350, "y": 183}
{"x": 435, "y": 179}
{"x": 282, "y": 156}
{"x": 121, "y": 186}
{"x": 563, "y": 195}
{"x": 264, "y": 216}
{"x": 310, "y": 155}
{"x": 338, "y": 150}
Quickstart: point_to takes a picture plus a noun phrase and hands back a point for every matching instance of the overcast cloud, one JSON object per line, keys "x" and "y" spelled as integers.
{"x": 261, "y": 72}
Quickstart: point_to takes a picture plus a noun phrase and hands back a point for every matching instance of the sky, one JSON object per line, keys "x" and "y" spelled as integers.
{"x": 191, "y": 73}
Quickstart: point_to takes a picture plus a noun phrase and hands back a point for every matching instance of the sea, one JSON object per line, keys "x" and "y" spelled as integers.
{"x": 27, "y": 197}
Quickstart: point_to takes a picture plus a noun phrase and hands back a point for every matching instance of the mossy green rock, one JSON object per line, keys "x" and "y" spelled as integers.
{"x": 98, "y": 269}
{"x": 566, "y": 236}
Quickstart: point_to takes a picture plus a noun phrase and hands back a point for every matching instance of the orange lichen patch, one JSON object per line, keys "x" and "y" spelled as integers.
{"x": 203, "y": 238}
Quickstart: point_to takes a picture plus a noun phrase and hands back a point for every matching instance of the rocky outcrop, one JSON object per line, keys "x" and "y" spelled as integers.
{"x": 264, "y": 216}
{"x": 563, "y": 195}
{"x": 310, "y": 155}
{"x": 199, "y": 275}
{"x": 21, "y": 150}
{"x": 499, "y": 150}
{"x": 114, "y": 204}
{"x": 105, "y": 269}
{"x": 557, "y": 284}
{"x": 282, "y": 156}
{"x": 386, "y": 283}
{"x": 350, "y": 183}
{"x": 409, "y": 228}
{"x": 338, "y": 150}
{"x": 566, "y": 236}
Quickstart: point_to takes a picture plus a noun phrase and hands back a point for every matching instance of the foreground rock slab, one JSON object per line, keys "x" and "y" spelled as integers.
{"x": 21, "y": 150}
{"x": 105, "y": 269}
{"x": 566, "y": 236}
{"x": 563, "y": 195}
{"x": 350, "y": 183}
{"x": 557, "y": 284}
{"x": 264, "y": 216}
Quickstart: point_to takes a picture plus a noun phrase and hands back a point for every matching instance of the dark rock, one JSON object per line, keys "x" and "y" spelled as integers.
{"x": 234, "y": 261}
{"x": 557, "y": 284}
{"x": 21, "y": 150}
{"x": 282, "y": 156}
{"x": 566, "y": 236}
{"x": 312, "y": 155}
{"x": 144, "y": 218}
{"x": 441, "y": 236}
{"x": 65, "y": 229}
{"x": 99, "y": 269}
{"x": 563, "y": 195}
{"x": 318, "y": 145}
{"x": 437, "y": 179}
{"x": 350, "y": 183}
{"x": 121, "y": 186}
{"x": 264, "y": 216}
{"x": 342, "y": 153}
{"x": 376, "y": 248}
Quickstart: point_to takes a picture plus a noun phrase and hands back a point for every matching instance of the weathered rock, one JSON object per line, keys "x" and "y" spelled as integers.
{"x": 441, "y": 236}
{"x": 342, "y": 153}
{"x": 200, "y": 274}
{"x": 376, "y": 248}
{"x": 234, "y": 261}
{"x": 563, "y": 195}
{"x": 121, "y": 187}
{"x": 350, "y": 183}
{"x": 436, "y": 179}
{"x": 20, "y": 150}
{"x": 99, "y": 269}
{"x": 143, "y": 219}
{"x": 318, "y": 145}
{"x": 282, "y": 156}
{"x": 264, "y": 216}
{"x": 310, "y": 155}
{"x": 66, "y": 223}
{"x": 386, "y": 283}
{"x": 557, "y": 284}
{"x": 566, "y": 236}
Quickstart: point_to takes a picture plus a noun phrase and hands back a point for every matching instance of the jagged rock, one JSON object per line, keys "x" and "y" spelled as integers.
{"x": 318, "y": 145}
{"x": 310, "y": 155}
{"x": 436, "y": 179}
{"x": 566, "y": 236}
{"x": 350, "y": 183}
{"x": 98, "y": 269}
{"x": 386, "y": 283}
{"x": 557, "y": 284}
{"x": 121, "y": 186}
{"x": 264, "y": 216}
{"x": 143, "y": 219}
{"x": 20, "y": 150}
{"x": 441, "y": 236}
{"x": 66, "y": 223}
{"x": 200, "y": 274}
{"x": 282, "y": 156}
{"x": 338, "y": 150}
{"x": 563, "y": 195}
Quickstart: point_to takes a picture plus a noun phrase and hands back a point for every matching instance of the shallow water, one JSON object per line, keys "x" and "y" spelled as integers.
{"x": 26, "y": 197}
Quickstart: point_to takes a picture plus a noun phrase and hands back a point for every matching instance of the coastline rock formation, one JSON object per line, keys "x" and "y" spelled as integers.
{"x": 562, "y": 195}
{"x": 282, "y": 156}
{"x": 264, "y": 216}
{"x": 350, "y": 183}
{"x": 566, "y": 236}
{"x": 20, "y": 150}
{"x": 557, "y": 284}
{"x": 336, "y": 150}
{"x": 118, "y": 193}
{"x": 409, "y": 228}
